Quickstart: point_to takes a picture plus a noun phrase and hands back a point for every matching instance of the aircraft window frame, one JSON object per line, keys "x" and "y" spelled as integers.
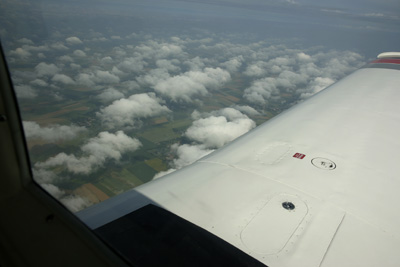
{"x": 19, "y": 187}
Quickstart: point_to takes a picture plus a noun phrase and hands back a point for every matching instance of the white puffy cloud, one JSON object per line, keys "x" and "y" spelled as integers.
{"x": 66, "y": 58}
{"x": 153, "y": 77}
{"x": 107, "y": 60}
{"x": 110, "y": 94}
{"x": 62, "y": 78}
{"x": 51, "y": 133}
{"x": 299, "y": 73}
{"x": 44, "y": 69}
{"x": 192, "y": 83}
{"x": 21, "y": 53}
{"x": 187, "y": 154}
{"x": 86, "y": 79}
{"x": 213, "y": 131}
{"x": 98, "y": 77}
{"x": 220, "y": 128}
{"x": 169, "y": 65}
{"x": 79, "y": 53}
{"x": 25, "y": 41}
{"x": 132, "y": 64}
{"x": 73, "y": 40}
{"x": 106, "y": 77}
{"x": 233, "y": 64}
{"x": 260, "y": 91}
{"x": 25, "y": 91}
{"x": 129, "y": 111}
{"x": 75, "y": 203}
{"x": 317, "y": 85}
{"x": 39, "y": 82}
{"x": 246, "y": 110}
{"x": 96, "y": 152}
{"x": 58, "y": 46}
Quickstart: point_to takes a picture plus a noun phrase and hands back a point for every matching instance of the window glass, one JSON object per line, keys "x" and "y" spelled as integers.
{"x": 114, "y": 94}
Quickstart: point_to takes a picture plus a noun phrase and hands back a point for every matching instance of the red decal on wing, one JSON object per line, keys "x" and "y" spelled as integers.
{"x": 299, "y": 156}
{"x": 387, "y": 60}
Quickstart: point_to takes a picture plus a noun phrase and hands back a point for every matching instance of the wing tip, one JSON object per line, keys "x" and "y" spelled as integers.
{"x": 389, "y": 55}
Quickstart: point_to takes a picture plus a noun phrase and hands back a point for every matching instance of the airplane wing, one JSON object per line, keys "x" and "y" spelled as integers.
{"x": 315, "y": 186}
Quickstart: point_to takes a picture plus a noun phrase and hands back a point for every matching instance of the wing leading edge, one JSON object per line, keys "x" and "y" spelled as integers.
{"x": 315, "y": 186}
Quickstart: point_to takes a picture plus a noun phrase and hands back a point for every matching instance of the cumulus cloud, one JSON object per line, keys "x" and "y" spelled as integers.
{"x": 233, "y": 64}
{"x": 110, "y": 94}
{"x": 25, "y": 41}
{"x": 106, "y": 146}
{"x": 106, "y": 77}
{"x": 220, "y": 128}
{"x": 208, "y": 132}
{"x": 107, "y": 60}
{"x": 51, "y": 133}
{"x": 21, "y": 53}
{"x": 260, "y": 91}
{"x": 169, "y": 65}
{"x": 79, "y": 53}
{"x": 317, "y": 85}
{"x": 58, "y": 46}
{"x": 46, "y": 180}
{"x": 187, "y": 154}
{"x": 298, "y": 73}
{"x": 44, "y": 69}
{"x": 25, "y": 91}
{"x": 62, "y": 78}
{"x": 246, "y": 110}
{"x": 129, "y": 111}
{"x": 132, "y": 64}
{"x": 39, "y": 82}
{"x": 73, "y": 40}
{"x": 66, "y": 59}
{"x": 98, "y": 77}
{"x": 192, "y": 83}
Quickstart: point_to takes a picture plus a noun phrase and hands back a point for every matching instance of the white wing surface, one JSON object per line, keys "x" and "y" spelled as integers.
{"x": 317, "y": 185}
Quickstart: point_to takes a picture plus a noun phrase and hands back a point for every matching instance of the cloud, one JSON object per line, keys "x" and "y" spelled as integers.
{"x": 98, "y": 77}
{"x": 299, "y": 74}
{"x": 129, "y": 111}
{"x": 107, "y": 60}
{"x": 96, "y": 152}
{"x": 233, "y": 64}
{"x": 21, "y": 53}
{"x": 132, "y": 64}
{"x": 106, "y": 77}
{"x": 187, "y": 154}
{"x": 44, "y": 69}
{"x": 110, "y": 94}
{"x": 75, "y": 203}
{"x": 206, "y": 134}
{"x": 66, "y": 59}
{"x": 52, "y": 133}
{"x": 79, "y": 53}
{"x": 62, "y": 78}
{"x": 169, "y": 65}
{"x": 39, "y": 82}
{"x": 317, "y": 85}
{"x": 246, "y": 110}
{"x": 25, "y": 41}
{"x": 220, "y": 128}
{"x": 73, "y": 40}
{"x": 59, "y": 46}
{"x": 25, "y": 91}
{"x": 192, "y": 83}
{"x": 260, "y": 91}
{"x": 86, "y": 79}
